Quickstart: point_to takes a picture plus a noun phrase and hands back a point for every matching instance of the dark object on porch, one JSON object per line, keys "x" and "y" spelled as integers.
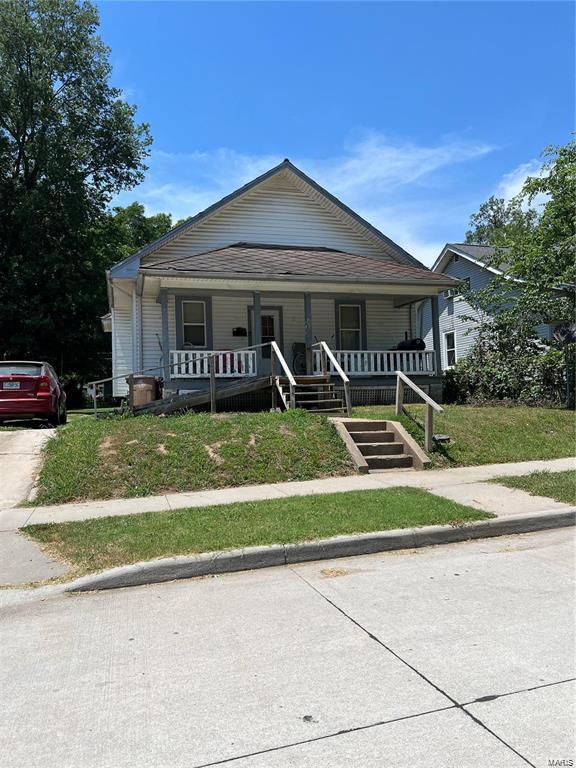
{"x": 239, "y": 332}
{"x": 412, "y": 344}
{"x": 299, "y": 358}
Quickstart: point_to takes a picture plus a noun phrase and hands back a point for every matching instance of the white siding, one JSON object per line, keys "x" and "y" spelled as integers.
{"x": 151, "y": 335}
{"x": 453, "y": 311}
{"x": 121, "y": 348}
{"x": 275, "y": 212}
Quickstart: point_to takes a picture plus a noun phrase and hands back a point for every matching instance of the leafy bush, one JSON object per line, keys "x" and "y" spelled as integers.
{"x": 507, "y": 363}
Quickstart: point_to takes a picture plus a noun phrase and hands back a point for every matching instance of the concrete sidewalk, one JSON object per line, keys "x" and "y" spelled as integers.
{"x": 464, "y": 484}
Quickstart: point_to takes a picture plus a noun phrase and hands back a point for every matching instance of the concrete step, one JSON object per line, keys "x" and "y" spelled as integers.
{"x": 380, "y": 449}
{"x": 370, "y": 425}
{"x": 373, "y": 437}
{"x": 389, "y": 462}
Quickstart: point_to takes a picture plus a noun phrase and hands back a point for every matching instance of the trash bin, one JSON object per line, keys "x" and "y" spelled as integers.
{"x": 142, "y": 389}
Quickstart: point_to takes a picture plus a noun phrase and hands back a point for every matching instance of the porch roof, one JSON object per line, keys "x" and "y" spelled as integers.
{"x": 287, "y": 261}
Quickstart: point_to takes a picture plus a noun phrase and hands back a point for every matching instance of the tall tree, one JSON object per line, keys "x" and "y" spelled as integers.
{"x": 68, "y": 143}
{"x": 534, "y": 240}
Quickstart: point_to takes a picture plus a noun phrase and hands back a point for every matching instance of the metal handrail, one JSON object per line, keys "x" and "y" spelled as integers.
{"x": 326, "y": 352}
{"x": 431, "y": 406}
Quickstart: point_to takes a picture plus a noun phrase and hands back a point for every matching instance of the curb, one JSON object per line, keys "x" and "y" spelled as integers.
{"x": 210, "y": 563}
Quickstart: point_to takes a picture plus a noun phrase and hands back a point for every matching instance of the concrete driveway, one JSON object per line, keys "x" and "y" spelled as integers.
{"x": 20, "y": 455}
{"x": 449, "y": 657}
{"x": 20, "y": 452}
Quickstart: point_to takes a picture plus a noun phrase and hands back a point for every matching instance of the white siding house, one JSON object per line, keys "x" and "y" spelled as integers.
{"x": 278, "y": 259}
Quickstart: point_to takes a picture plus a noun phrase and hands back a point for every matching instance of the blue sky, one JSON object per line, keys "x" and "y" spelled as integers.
{"x": 412, "y": 113}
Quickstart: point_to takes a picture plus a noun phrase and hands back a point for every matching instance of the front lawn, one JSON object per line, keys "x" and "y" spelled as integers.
{"x": 556, "y": 485}
{"x": 93, "y": 545}
{"x": 127, "y": 456}
{"x": 490, "y": 435}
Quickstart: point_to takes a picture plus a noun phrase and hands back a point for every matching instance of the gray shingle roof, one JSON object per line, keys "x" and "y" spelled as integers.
{"x": 296, "y": 261}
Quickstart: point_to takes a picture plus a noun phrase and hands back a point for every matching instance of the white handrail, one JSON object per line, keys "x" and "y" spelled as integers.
{"x": 283, "y": 363}
{"x": 431, "y": 406}
{"x": 338, "y": 368}
{"x": 423, "y": 395}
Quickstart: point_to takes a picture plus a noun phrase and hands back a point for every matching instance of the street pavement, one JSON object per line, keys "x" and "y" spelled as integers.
{"x": 446, "y": 657}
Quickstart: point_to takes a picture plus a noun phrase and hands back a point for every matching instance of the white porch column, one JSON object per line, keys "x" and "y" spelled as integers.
{"x": 136, "y": 331}
{"x": 308, "y": 337}
{"x": 257, "y": 317}
{"x": 436, "y": 336}
{"x": 165, "y": 336}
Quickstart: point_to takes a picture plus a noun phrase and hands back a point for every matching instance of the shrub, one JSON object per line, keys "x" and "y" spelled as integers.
{"x": 506, "y": 364}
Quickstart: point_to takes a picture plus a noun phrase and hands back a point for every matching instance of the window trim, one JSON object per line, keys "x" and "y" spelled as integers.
{"x": 179, "y": 311}
{"x": 445, "y": 349}
{"x": 351, "y": 302}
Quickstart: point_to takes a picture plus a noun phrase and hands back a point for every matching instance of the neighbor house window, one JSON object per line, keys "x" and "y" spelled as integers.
{"x": 350, "y": 326}
{"x": 450, "y": 341}
{"x": 194, "y": 323}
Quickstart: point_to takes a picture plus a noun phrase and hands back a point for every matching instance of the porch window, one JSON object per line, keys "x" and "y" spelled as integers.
{"x": 194, "y": 323}
{"x": 350, "y": 326}
{"x": 450, "y": 342}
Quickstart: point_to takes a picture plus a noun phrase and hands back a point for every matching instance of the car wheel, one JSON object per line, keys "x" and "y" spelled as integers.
{"x": 54, "y": 418}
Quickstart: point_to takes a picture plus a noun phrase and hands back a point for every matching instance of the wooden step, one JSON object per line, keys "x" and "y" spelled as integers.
{"x": 324, "y": 410}
{"x": 335, "y": 401}
{"x": 313, "y": 386}
{"x": 312, "y": 395}
{"x": 380, "y": 449}
{"x": 372, "y": 437}
{"x": 401, "y": 460}
{"x": 305, "y": 380}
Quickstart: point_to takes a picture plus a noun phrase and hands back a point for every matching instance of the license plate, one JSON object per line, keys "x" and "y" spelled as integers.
{"x": 10, "y": 385}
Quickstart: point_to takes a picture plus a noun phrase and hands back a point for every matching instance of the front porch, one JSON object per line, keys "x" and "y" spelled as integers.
{"x": 231, "y": 331}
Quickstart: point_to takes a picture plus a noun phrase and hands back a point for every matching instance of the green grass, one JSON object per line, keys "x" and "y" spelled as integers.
{"x": 490, "y": 435}
{"x": 555, "y": 485}
{"x": 96, "y": 544}
{"x": 128, "y": 457}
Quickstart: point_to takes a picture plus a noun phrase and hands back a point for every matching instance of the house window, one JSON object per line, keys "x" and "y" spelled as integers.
{"x": 194, "y": 323}
{"x": 350, "y": 326}
{"x": 450, "y": 342}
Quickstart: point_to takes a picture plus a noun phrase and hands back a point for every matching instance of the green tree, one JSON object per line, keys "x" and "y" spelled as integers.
{"x": 123, "y": 231}
{"x": 500, "y": 223}
{"x": 68, "y": 143}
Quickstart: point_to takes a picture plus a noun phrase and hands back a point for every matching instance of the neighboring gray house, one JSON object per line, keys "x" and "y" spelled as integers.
{"x": 467, "y": 263}
{"x": 280, "y": 259}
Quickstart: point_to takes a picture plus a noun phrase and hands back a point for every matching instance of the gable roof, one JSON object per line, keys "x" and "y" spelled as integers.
{"x": 393, "y": 250}
{"x": 477, "y": 254}
{"x": 290, "y": 262}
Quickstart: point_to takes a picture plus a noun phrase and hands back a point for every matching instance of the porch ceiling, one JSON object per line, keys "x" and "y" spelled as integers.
{"x": 304, "y": 264}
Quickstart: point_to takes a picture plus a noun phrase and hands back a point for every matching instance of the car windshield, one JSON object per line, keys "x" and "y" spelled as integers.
{"x": 20, "y": 369}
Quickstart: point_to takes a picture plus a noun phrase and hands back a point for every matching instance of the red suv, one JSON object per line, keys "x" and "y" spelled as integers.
{"x": 30, "y": 390}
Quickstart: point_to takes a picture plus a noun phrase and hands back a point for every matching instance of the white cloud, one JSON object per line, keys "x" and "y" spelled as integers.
{"x": 387, "y": 182}
{"x": 512, "y": 183}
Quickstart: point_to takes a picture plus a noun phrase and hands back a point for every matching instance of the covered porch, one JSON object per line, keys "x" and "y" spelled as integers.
{"x": 200, "y": 326}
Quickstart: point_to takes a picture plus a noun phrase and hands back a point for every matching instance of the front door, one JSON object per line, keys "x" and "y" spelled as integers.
{"x": 271, "y": 331}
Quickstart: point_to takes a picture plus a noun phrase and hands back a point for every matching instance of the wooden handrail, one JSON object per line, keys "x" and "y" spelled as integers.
{"x": 276, "y": 354}
{"x": 200, "y": 356}
{"x": 325, "y": 350}
{"x": 431, "y": 406}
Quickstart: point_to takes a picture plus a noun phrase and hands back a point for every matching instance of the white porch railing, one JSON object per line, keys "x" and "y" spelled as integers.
{"x": 380, "y": 362}
{"x": 195, "y": 364}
